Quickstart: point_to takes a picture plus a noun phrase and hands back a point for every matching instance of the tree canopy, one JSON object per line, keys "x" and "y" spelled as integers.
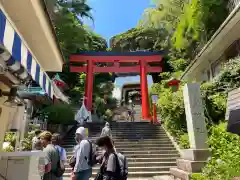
{"x": 180, "y": 27}
{"x": 74, "y": 37}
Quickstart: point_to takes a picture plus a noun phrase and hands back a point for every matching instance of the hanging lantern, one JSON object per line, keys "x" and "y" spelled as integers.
{"x": 174, "y": 84}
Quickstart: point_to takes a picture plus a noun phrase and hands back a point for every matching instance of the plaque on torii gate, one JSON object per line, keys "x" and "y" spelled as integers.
{"x": 118, "y": 62}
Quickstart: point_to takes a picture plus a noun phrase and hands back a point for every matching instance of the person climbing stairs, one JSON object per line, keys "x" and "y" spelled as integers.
{"x": 147, "y": 147}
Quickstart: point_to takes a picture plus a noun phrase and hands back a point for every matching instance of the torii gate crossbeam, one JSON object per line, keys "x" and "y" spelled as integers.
{"x": 142, "y": 62}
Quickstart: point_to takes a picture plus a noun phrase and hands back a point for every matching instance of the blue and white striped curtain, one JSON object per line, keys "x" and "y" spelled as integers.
{"x": 19, "y": 58}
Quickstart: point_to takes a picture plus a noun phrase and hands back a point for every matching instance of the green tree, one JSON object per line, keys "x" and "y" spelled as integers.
{"x": 165, "y": 14}
{"x": 199, "y": 20}
{"x": 73, "y": 38}
{"x": 59, "y": 114}
{"x": 78, "y": 7}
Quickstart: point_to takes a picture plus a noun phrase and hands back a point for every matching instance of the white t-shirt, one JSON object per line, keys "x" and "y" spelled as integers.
{"x": 106, "y": 131}
{"x": 81, "y": 153}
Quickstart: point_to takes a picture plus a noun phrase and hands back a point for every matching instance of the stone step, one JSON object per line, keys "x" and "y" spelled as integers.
{"x": 149, "y": 160}
{"x": 166, "y": 177}
{"x": 142, "y": 164}
{"x": 139, "y": 145}
{"x": 144, "y": 148}
{"x": 154, "y": 159}
{"x": 133, "y": 169}
{"x": 124, "y": 143}
{"x": 134, "y": 145}
{"x": 116, "y": 131}
{"x": 149, "y": 152}
{"x": 143, "y": 152}
{"x": 124, "y": 140}
{"x": 141, "y": 174}
{"x": 147, "y": 148}
{"x": 159, "y": 155}
{"x": 143, "y": 142}
{"x": 126, "y": 135}
{"x": 190, "y": 166}
{"x": 130, "y": 131}
{"x": 177, "y": 173}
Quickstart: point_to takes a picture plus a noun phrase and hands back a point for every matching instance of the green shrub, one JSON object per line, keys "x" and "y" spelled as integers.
{"x": 27, "y": 142}
{"x": 59, "y": 114}
{"x": 108, "y": 115}
{"x": 100, "y": 106}
{"x": 184, "y": 141}
{"x": 171, "y": 107}
{"x": 197, "y": 176}
{"x": 8, "y": 149}
{"x": 225, "y": 161}
{"x": 11, "y": 138}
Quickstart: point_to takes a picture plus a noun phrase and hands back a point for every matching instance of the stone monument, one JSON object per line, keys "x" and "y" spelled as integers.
{"x": 193, "y": 159}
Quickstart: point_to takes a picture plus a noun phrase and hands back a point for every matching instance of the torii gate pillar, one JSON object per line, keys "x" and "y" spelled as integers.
{"x": 144, "y": 91}
{"x": 89, "y": 85}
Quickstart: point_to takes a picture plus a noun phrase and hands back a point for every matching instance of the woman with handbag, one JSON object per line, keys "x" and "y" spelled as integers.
{"x": 110, "y": 167}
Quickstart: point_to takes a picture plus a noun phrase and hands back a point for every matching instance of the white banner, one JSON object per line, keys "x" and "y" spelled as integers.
{"x": 82, "y": 115}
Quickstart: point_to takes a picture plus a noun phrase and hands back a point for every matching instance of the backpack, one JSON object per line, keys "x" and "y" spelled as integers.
{"x": 122, "y": 171}
{"x": 60, "y": 165}
{"x": 92, "y": 157}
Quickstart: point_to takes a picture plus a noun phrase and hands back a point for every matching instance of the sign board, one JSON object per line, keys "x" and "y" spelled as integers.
{"x": 154, "y": 98}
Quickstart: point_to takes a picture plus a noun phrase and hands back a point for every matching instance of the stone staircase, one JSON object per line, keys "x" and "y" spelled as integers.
{"x": 147, "y": 147}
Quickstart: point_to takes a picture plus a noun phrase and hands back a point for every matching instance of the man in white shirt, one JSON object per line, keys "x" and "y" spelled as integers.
{"x": 106, "y": 131}
{"x": 82, "y": 170}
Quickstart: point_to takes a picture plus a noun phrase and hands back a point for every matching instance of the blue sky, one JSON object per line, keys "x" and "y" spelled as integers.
{"x": 112, "y": 17}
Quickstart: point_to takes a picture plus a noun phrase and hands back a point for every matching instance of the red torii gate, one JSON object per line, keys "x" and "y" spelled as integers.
{"x": 143, "y": 65}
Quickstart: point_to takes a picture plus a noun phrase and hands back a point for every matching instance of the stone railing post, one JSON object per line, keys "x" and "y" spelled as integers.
{"x": 193, "y": 159}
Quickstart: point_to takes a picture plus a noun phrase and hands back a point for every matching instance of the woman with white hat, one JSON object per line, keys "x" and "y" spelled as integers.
{"x": 82, "y": 170}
